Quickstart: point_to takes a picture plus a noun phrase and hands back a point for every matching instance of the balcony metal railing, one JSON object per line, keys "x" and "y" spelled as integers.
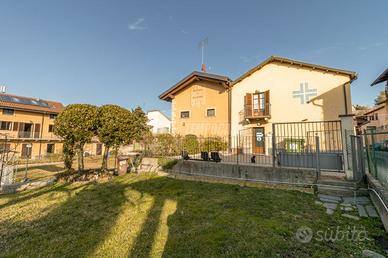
{"x": 253, "y": 111}
{"x": 33, "y": 135}
{"x": 27, "y": 135}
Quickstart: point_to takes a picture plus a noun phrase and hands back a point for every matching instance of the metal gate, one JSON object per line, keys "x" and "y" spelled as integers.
{"x": 296, "y": 144}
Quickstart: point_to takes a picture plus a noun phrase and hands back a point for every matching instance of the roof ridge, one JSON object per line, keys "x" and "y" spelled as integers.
{"x": 274, "y": 58}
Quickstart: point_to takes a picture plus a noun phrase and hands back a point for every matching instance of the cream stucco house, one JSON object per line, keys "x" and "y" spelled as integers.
{"x": 284, "y": 90}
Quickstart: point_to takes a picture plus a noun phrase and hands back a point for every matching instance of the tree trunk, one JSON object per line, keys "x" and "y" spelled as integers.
{"x": 116, "y": 152}
{"x": 82, "y": 158}
{"x": 79, "y": 160}
{"x": 104, "y": 165}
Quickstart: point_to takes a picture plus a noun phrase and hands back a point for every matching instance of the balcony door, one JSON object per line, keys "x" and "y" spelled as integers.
{"x": 25, "y": 130}
{"x": 258, "y": 141}
{"x": 256, "y": 104}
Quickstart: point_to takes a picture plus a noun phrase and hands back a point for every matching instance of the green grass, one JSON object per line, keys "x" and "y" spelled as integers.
{"x": 45, "y": 172}
{"x": 152, "y": 216}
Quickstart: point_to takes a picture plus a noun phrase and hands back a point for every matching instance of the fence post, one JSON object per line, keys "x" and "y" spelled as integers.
{"x": 273, "y": 145}
{"x": 346, "y": 125}
{"x": 318, "y": 165}
{"x": 238, "y": 146}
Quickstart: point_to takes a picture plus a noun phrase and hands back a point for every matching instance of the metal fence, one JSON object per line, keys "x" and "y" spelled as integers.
{"x": 329, "y": 133}
{"x": 376, "y": 147}
{"x": 263, "y": 151}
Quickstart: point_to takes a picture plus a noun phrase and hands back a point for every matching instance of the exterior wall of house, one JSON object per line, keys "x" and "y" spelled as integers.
{"x": 196, "y": 99}
{"x": 38, "y": 136}
{"x": 43, "y": 142}
{"x": 159, "y": 122}
{"x": 378, "y": 119}
{"x": 283, "y": 82}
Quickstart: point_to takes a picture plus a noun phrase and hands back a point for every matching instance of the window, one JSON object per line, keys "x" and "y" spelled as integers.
{"x": 8, "y": 111}
{"x": 262, "y": 101}
{"x": 210, "y": 112}
{"x": 4, "y": 125}
{"x": 255, "y": 102}
{"x": 376, "y": 116}
{"x": 50, "y": 148}
{"x": 5, "y": 147}
{"x": 51, "y": 128}
{"x": 185, "y": 114}
{"x": 53, "y": 116}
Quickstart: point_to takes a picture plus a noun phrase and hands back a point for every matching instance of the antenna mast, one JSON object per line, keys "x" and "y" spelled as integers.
{"x": 202, "y": 44}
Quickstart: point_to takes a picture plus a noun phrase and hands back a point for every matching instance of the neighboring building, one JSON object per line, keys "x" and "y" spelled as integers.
{"x": 374, "y": 118}
{"x": 28, "y": 123}
{"x": 159, "y": 122}
{"x": 383, "y": 78}
{"x": 285, "y": 90}
{"x": 200, "y": 105}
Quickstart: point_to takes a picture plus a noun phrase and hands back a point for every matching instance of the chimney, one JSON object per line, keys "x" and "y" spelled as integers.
{"x": 203, "y": 68}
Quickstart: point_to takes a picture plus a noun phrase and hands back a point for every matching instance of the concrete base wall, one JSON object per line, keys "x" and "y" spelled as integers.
{"x": 246, "y": 172}
{"x": 383, "y": 193}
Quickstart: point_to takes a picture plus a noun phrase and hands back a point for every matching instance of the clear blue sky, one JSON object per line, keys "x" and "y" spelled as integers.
{"x": 128, "y": 52}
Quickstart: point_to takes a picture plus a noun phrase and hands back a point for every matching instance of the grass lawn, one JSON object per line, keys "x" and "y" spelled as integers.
{"x": 44, "y": 172}
{"x": 153, "y": 216}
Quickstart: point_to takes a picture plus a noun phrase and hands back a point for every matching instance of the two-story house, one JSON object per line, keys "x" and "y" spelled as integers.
{"x": 284, "y": 90}
{"x": 200, "y": 105}
{"x": 27, "y": 125}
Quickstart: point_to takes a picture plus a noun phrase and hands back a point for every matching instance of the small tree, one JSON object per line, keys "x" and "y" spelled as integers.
{"x": 139, "y": 124}
{"x": 114, "y": 129}
{"x": 381, "y": 97}
{"x": 76, "y": 125}
{"x": 360, "y": 107}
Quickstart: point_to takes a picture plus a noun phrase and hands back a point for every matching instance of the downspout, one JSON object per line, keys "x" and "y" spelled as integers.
{"x": 345, "y": 99}
{"x": 230, "y": 118}
{"x": 41, "y": 136}
{"x": 344, "y": 90}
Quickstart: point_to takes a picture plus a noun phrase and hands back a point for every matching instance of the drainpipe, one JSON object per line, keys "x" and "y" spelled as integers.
{"x": 41, "y": 136}
{"x": 345, "y": 99}
{"x": 230, "y": 119}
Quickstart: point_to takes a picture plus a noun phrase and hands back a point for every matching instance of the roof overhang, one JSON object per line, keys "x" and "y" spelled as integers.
{"x": 352, "y": 75}
{"x": 223, "y": 81}
{"x": 382, "y": 78}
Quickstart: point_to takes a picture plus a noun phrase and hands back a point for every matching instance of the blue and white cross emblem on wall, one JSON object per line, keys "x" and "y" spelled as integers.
{"x": 304, "y": 93}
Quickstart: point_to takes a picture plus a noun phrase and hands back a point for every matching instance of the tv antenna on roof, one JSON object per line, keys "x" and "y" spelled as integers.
{"x": 202, "y": 44}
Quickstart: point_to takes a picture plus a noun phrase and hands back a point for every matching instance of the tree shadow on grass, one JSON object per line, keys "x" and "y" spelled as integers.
{"x": 216, "y": 220}
{"x": 74, "y": 229}
{"x": 26, "y": 195}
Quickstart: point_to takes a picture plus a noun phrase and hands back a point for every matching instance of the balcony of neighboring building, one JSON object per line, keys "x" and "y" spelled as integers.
{"x": 27, "y": 131}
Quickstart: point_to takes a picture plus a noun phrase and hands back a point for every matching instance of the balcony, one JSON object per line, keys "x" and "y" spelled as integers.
{"x": 251, "y": 112}
{"x": 35, "y": 136}
{"x": 27, "y": 135}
